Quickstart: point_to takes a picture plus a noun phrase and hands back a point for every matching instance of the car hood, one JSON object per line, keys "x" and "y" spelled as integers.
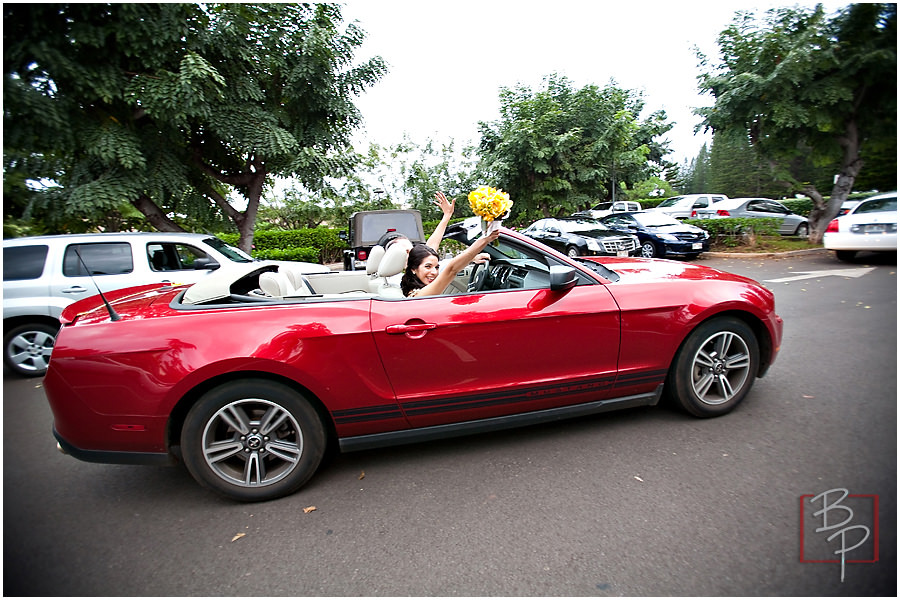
{"x": 641, "y": 270}
{"x": 673, "y": 228}
{"x": 598, "y": 233}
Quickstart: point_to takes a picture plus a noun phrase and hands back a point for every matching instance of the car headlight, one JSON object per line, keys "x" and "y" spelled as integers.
{"x": 667, "y": 237}
{"x": 593, "y": 245}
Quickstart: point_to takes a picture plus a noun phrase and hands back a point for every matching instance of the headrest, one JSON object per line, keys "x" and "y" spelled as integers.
{"x": 275, "y": 284}
{"x": 394, "y": 260}
{"x": 375, "y": 255}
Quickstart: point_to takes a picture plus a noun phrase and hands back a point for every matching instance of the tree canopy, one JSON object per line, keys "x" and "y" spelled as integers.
{"x": 810, "y": 92}
{"x": 179, "y": 108}
{"x": 560, "y": 149}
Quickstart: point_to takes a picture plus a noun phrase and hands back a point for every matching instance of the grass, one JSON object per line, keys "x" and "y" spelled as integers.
{"x": 767, "y": 244}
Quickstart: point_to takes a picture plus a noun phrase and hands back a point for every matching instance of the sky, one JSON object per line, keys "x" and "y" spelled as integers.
{"x": 448, "y": 60}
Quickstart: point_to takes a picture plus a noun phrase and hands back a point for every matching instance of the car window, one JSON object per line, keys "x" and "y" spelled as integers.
{"x": 618, "y": 221}
{"x": 701, "y": 203}
{"x": 869, "y": 206}
{"x": 106, "y": 258}
{"x": 167, "y": 256}
{"x": 24, "y": 262}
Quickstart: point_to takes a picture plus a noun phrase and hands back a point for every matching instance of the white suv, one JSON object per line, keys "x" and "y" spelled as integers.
{"x": 44, "y": 274}
{"x": 681, "y": 207}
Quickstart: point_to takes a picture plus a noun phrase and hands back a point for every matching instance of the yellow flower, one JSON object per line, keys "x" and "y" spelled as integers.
{"x": 489, "y": 203}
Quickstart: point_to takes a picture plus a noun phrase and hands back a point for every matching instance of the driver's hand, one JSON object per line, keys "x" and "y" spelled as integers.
{"x": 482, "y": 258}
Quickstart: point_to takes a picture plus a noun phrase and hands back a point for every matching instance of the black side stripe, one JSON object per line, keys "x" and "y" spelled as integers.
{"x": 367, "y": 413}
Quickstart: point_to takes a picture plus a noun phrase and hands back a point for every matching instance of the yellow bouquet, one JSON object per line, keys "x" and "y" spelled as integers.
{"x": 491, "y": 204}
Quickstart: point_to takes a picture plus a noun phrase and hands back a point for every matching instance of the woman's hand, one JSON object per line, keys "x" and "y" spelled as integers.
{"x": 445, "y": 205}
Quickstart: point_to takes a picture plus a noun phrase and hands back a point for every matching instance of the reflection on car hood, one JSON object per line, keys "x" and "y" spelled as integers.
{"x": 635, "y": 270}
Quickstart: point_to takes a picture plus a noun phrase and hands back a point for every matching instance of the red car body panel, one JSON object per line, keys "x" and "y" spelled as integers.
{"x": 380, "y": 365}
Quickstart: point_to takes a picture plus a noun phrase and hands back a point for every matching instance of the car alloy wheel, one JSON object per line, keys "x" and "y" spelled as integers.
{"x": 252, "y": 440}
{"x": 802, "y": 230}
{"x": 27, "y": 349}
{"x": 715, "y": 367}
{"x": 573, "y": 252}
{"x": 648, "y": 250}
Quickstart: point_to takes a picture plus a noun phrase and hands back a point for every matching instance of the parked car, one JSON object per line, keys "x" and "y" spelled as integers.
{"x": 249, "y": 389}
{"x": 369, "y": 228}
{"x": 760, "y": 208}
{"x": 44, "y": 274}
{"x": 681, "y": 207}
{"x": 608, "y": 208}
{"x": 660, "y": 235}
{"x": 583, "y": 236}
{"x": 870, "y": 225}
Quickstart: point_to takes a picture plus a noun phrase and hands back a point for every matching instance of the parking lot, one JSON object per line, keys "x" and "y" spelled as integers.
{"x": 647, "y": 502}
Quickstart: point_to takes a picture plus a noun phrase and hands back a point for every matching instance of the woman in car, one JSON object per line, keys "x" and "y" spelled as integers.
{"x": 423, "y": 277}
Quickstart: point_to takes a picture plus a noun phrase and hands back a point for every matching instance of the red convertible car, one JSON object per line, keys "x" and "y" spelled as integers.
{"x": 247, "y": 378}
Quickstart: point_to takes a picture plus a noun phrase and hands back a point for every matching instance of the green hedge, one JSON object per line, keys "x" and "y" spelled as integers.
{"x": 734, "y": 232}
{"x": 320, "y": 245}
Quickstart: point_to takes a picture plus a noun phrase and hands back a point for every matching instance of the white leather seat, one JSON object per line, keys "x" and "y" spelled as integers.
{"x": 299, "y": 283}
{"x": 276, "y": 284}
{"x": 375, "y": 255}
{"x": 391, "y": 265}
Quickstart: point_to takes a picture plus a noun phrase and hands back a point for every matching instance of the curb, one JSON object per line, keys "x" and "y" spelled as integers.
{"x": 764, "y": 254}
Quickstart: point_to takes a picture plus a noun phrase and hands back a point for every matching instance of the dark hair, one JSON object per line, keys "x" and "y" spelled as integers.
{"x": 417, "y": 256}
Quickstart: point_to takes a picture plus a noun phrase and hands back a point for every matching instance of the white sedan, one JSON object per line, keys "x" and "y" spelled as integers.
{"x": 871, "y": 225}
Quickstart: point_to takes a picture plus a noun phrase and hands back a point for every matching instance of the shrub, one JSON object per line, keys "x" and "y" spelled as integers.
{"x": 321, "y": 244}
{"x": 732, "y": 232}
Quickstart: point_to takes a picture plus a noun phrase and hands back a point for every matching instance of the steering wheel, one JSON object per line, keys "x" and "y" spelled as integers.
{"x": 478, "y": 278}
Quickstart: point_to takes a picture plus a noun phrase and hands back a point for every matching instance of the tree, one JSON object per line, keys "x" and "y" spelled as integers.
{"x": 177, "y": 108}
{"x": 559, "y": 149}
{"x": 809, "y": 92}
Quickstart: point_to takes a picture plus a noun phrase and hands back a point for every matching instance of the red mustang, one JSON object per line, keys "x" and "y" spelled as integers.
{"x": 247, "y": 377}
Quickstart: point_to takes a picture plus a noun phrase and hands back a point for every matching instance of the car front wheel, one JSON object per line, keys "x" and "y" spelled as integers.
{"x": 27, "y": 348}
{"x": 252, "y": 440}
{"x": 802, "y": 230}
{"x": 648, "y": 250}
{"x": 573, "y": 252}
{"x": 715, "y": 367}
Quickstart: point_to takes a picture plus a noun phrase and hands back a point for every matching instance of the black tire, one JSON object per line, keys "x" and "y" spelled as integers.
{"x": 845, "y": 255}
{"x": 27, "y": 348}
{"x": 714, "y": 368}
{"x": 802, "y": 230}
{"x": 228, "y": 448}
{"x": 573, "y": 252}
{"x": 648, "y": 250}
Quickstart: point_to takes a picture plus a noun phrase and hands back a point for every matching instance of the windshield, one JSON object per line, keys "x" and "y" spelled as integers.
{"x": 669, "y": 202}
{"x": 230, "y": 252}
{"x": 571, "y": 225}
{"x": 655, "y": 219}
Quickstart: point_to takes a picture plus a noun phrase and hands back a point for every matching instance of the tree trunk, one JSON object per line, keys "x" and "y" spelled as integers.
{"x": 247, "y": 223}
{"x": 157, "y": 218}
{"x": 822, "y": 214}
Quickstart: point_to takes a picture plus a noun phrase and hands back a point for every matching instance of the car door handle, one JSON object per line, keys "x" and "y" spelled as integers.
{"x": 409, "y": 328}
{"x": 75, "y": 289}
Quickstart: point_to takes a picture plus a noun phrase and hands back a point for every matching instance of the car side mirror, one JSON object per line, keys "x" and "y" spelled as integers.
{"x": 553, "y": 231}
{"x": 344, "y": 235}
{"x": 206, "y": 263}
{"x": 562, "y": 278}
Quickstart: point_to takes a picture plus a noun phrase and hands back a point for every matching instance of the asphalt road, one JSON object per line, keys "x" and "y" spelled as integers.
{"x": 646, "y": 502}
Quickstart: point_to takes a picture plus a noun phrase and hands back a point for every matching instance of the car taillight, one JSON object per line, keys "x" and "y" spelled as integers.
{"x": 723, "y": 213}
{"x": 833, "y": 227}
{"x": 693, "y": 214}
{"x": 361, "y": 255}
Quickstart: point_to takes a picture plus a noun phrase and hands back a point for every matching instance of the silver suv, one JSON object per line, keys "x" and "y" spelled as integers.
{"x": 44, "y": 274}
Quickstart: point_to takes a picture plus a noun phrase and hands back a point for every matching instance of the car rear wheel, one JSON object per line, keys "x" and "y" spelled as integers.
{"x": 648, "y": 250}
{"x": 253, "y": 440}
{"x": 27, "y": 348}
{"x": 715, "y": 367}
